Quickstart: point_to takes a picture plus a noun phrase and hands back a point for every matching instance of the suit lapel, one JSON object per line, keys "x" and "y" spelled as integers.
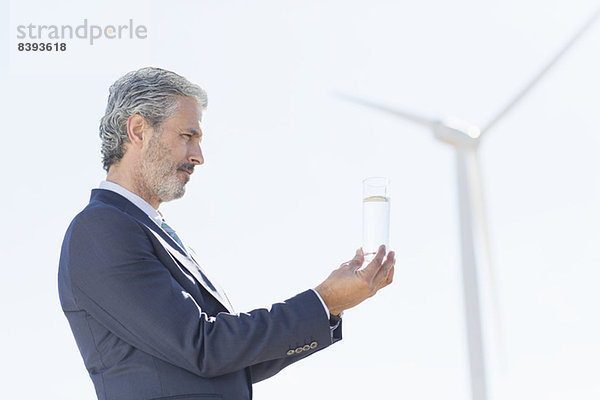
{"x": 224, "y": 299}
{"x": 190, "y": 264}
{"x": 194, "y": 269}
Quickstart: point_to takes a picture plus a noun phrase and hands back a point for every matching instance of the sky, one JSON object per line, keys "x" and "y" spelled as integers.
{"x": 277, "y": 204}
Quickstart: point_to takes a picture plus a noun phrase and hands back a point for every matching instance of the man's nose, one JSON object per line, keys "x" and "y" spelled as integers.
{"x": 195, "y": 155}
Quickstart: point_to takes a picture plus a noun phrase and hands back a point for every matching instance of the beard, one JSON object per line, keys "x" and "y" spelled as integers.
{"x": 159, "y": 173}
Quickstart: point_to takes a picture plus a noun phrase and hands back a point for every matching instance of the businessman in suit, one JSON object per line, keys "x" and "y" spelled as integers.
{"x": 148, "y": 321}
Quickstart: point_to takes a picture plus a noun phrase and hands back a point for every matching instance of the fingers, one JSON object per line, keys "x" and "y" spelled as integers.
{"x": 385, "y": 275}
{"x": 372, "y": 269}
{"x": 390, "y": 276}
{"x": 358, "y": 260}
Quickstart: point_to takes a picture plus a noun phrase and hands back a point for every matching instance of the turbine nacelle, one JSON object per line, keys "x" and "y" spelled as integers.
{"x": 457, "y": 133}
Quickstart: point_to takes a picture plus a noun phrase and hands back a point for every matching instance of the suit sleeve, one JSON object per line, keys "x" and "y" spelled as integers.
{"x": 267, "y": 369}
{"x": 118, "y": 279}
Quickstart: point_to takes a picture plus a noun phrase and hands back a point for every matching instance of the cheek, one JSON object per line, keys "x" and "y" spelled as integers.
{"x": 183, "y": 152}
{"x": 178, "y": 151}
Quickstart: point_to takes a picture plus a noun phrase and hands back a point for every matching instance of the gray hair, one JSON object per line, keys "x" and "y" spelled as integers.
{"x": 150, "y": 92}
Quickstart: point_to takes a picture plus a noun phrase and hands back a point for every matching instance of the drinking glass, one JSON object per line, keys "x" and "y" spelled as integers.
{"x": 376, "y": 215}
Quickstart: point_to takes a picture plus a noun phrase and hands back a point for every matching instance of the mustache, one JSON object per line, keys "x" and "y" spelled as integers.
{"x": 186, "y": 167}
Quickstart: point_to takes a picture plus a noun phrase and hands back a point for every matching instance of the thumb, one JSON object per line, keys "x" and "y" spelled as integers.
{"x": 358, "y": 260}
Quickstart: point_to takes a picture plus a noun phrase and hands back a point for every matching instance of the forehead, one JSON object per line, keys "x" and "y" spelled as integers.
{"x": 188, "y": 112}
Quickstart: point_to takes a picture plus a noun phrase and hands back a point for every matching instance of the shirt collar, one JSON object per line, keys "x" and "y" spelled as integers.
{"x": 142, "y": 204}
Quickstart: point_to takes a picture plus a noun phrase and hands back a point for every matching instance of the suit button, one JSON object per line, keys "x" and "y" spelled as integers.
{"x": 306, "y": 347}
{"x": 314, "y": 345}
{"x": 299, "y": 350}
{"x": 290, "y": 352}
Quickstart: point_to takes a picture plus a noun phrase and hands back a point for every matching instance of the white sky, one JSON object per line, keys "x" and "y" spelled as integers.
{"x": 277, "y": 204}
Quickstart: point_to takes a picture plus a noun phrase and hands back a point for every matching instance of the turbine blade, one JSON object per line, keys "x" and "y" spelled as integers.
{"x": 511, "y": 104}
{"x": 417, "y": 119}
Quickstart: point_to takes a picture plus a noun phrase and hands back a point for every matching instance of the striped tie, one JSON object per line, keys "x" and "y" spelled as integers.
{"x": 172, "y": 233}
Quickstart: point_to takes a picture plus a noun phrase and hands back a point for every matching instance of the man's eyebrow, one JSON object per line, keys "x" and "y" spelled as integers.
{"x": 194, "y": 131}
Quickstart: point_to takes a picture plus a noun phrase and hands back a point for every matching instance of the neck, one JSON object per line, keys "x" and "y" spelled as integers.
{"x": 134, "y": 184}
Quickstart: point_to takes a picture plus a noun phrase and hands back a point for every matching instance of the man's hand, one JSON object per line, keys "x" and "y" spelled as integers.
{"x": 349, "y": 285}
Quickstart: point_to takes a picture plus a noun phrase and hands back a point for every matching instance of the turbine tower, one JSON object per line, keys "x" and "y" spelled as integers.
{"x": 465, "y": 138}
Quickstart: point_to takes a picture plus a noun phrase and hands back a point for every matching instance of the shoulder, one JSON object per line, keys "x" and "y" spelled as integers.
{"x": 105, "y": 225}
{"x": 103, "y": 237}
{"x": 103, "y": 216}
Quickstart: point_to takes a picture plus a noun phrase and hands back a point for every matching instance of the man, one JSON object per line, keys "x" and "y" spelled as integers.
{"x": 148, "y": 322}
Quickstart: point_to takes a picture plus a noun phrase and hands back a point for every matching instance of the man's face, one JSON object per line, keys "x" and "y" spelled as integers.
{"x": 172, "y": 152}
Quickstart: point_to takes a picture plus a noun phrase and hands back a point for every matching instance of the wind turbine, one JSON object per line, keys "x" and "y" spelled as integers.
{"x": 466, "y": 138}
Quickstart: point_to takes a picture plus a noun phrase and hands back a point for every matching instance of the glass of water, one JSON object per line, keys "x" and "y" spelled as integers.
{"x": 376, "y": 215}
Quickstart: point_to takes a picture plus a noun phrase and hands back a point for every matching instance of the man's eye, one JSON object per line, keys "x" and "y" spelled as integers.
{"x": 187, "y": 135}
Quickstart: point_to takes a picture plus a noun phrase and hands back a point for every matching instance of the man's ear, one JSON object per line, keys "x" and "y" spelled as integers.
{"x": 137, "y": 128}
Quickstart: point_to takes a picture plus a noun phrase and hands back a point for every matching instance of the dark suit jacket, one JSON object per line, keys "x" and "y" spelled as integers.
{"x": 148, "y": 328}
